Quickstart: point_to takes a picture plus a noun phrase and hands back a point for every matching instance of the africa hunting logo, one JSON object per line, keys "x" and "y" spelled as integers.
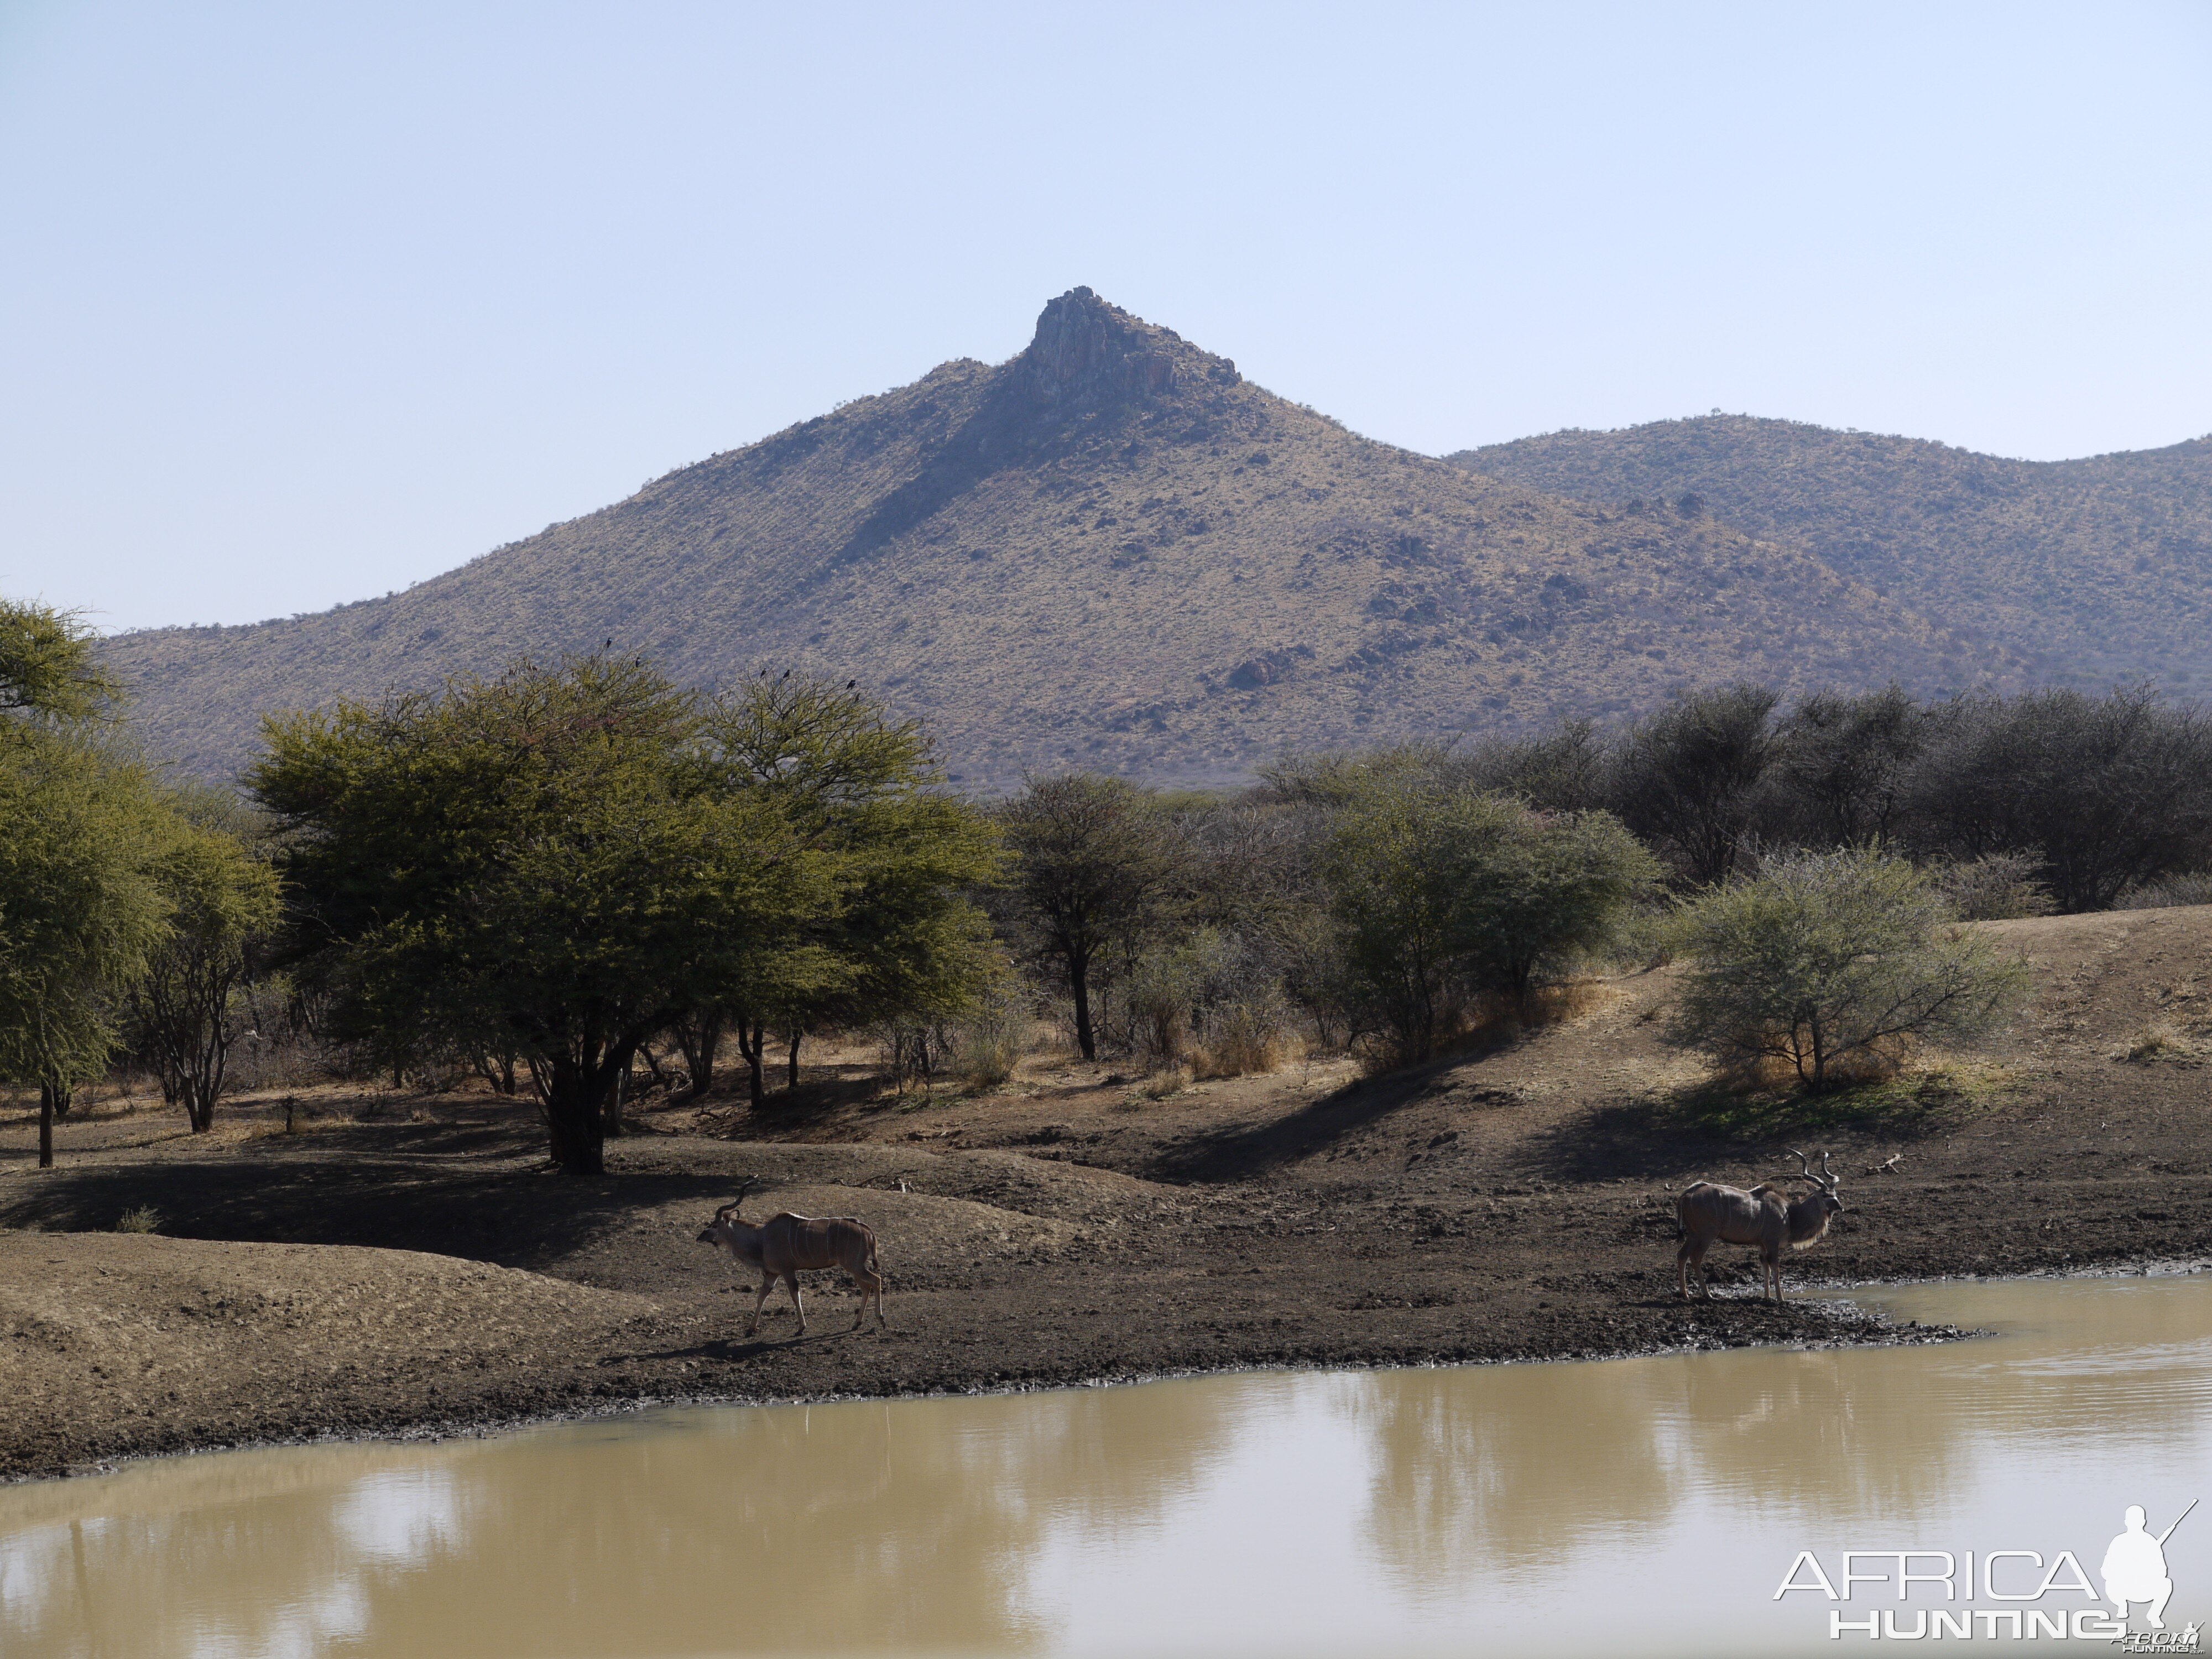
{"x": 2133, "y": 1576}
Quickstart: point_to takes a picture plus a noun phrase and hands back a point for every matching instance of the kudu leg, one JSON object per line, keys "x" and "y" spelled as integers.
{"x": 871, "y": 1285}
{"x": 1692, "y": 1256}
{"x": 798, "y": 1306}
{"x": 767, "y": 1283}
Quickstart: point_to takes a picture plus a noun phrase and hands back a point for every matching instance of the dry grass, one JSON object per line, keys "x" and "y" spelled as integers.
{"x": 1769, "y": 1072}
{"x": 1247, "y": 1054}
{"x": 1913, "y": 1091}
{"x": 1168, "y": 1080}
{"x": 987, "y": 1063}
{"x": 143, "y": 1220}
{"x": 2157, "y": 1041}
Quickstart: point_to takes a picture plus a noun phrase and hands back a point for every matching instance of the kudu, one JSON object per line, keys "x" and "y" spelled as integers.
{"x": 784, "y": 1245}
{"x": 1765, "y": 1216}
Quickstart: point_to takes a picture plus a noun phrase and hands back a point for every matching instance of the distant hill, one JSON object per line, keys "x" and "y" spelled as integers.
{"x": 1111, "y": 550}
{"x": 2089, "y": 571}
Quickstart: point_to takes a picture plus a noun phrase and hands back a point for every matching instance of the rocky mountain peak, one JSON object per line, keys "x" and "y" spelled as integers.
{"x": 1088, "y": 352}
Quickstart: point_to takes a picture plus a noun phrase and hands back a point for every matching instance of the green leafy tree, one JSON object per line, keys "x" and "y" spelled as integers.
{"x": 81, "y": 908}
{"x": 903, "y": 942}
{"x": 1397, "y": 916}
{"x": 2104, "y": 792}
{"x": 543, "y": 861}
{"x": 1825, "y": 957}
{"x": 47, "y": 668}
{"x": 80, "y": 826}
{"x": 187, "y": 1009}
{"x": 1094, "y": 857}
{"x": 1689, "y": 779}
{"x": 1538, "y": 891}
{"x": 1439, "y": 895}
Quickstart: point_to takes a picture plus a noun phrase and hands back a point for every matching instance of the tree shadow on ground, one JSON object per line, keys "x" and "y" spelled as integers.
{"x": 516, "y": 1215}
{"x": 785, "y": 1113}
{"x": 1674, "y": 1131}
{"x": 1243, "y": 1154}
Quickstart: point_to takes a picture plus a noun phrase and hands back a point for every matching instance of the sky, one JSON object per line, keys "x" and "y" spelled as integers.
{"x": 301, "y": 304}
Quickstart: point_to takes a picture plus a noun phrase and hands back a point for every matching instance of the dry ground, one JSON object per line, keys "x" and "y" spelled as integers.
{"x": 408, "y": 1260}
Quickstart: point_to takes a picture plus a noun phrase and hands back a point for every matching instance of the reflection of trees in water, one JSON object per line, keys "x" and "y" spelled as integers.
{"x": 875, "y": 1526}
{"x": 234, "y": 1554}
{"x": 1514, "y": 1468}
{"x": 849, "y": 1526}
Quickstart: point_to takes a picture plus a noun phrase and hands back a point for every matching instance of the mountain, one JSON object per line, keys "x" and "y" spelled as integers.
{"x": 2089, "y": 571}
{"x": 1111, "y": 550}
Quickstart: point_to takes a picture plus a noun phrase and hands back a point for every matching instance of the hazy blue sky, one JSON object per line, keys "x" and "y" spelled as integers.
{"x": 302, "y": 303}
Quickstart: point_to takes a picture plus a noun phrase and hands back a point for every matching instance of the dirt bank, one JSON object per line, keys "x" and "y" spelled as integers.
{"x": 1510, "y": 1205}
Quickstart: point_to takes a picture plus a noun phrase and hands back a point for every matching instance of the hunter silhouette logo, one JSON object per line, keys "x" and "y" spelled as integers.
{"x": 2021, "y": 1582}
{"x": 2135, "y": 1565}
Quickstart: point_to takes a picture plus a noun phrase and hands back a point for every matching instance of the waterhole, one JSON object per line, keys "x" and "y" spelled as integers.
{"x": 1642, "y": 1506}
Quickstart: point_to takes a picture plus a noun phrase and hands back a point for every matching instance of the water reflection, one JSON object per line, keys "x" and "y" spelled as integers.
{"x": 1502, "y": 1478}
{"x": 849, "y": 1526}
{"x": 1460, "y": 1509}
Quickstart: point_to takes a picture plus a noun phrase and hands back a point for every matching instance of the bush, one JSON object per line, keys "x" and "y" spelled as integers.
{"x": 1247, "y": 1037}
{"x": 143, "y": 1220}
{"x": 1209, "y": 998}
{"x": 1996, "y": 887}
{"x": 1168, "y": 1080}
{"x": 2193, "y": 889}
{"x": 918, "y": 1052}
{"x": 1690, "y": 779}
{"x": 2106, "y": 793}
{"x": 1441, "y": 897}
{"x": 990, "y": 1043}
{"x": 1828, "y": 961}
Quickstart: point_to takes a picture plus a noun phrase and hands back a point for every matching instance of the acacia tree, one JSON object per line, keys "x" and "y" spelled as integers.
{"x": 1093, "y": 856}
{"x": 541, "y": 861}
{"x": 1538, "y": 890}
{"x": 1688, "y": 778}
{"x": 2104, "y": 792}
{"x": 1396, "y": 914}
{"x": 80, "y": 827}
{"x": 904, "y": 941}
{"x": 1843, "y": 764}
{"x": 1438, "y": 894}
{"x": 1826, "y": 956}
{"x": 185, "y": 1010}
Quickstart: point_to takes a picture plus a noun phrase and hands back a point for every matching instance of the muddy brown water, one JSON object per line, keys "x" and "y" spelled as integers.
{"x": 1635, "y": 1506}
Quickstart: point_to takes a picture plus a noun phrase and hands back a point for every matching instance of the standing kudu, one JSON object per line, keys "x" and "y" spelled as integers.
{"x": 784, "y": 1245}
{"x": 1765, "y": 1216}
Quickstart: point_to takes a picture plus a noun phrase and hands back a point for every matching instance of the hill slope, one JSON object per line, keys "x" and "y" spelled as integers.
{"x": 1110, "y": 550}
{"x": 2091, "y": 570}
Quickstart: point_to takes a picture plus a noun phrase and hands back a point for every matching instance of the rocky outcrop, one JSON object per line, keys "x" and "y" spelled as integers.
{"x": 1087, "y": 353}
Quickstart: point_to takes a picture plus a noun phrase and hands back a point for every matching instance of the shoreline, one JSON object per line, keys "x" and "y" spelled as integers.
{"x": 1862, "y": 1329}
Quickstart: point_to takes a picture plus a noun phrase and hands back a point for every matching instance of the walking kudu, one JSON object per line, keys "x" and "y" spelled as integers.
{"x": 784, "y": 1245}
